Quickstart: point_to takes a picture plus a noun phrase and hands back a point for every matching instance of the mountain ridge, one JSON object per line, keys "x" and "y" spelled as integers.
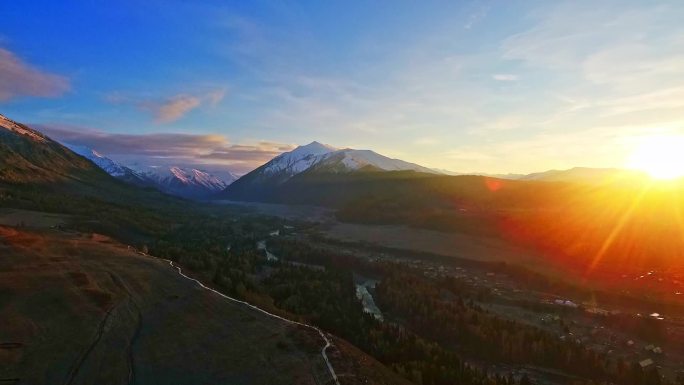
{"x": 184, "y": 181}
{"x": 180, "y": 181}
{"x": 281, "y": 177}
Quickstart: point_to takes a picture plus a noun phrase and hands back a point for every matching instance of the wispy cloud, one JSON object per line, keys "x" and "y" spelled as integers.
{"x": 542, "y": 77}
{"x": 257, "y": 153}
{"x": 477, "y": 16}
{"x": 619, "y": 70}
{"x": 505, "y": 77}
{"x": 205, "y": 151}
{"x": 18, "y": 78}
{"x": 174, "y": 108}
{"x": 170, "y": 109}
{"x": 215, "y": 97}
{"x": 619, "y": 58}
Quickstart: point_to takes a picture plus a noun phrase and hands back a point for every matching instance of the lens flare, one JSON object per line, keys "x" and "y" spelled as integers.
{"x": 662, "y": 157}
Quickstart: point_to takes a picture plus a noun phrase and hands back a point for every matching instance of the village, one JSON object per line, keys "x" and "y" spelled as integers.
{"x": 652, "y": 340}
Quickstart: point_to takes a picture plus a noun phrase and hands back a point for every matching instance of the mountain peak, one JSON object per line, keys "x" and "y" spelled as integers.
{"x": 299, "y": 159}
{"x": 315, "y": 148}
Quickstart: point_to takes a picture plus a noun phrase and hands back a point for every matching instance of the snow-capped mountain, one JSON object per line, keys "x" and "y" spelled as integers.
{"x": 283, "y": 167}
{"x": 320, "y": 157}
{"x": 313, "y": 158}
{"x": 298, "y": 160}
{"x": 111, "y": 167}
{"x": 185, "y": 182}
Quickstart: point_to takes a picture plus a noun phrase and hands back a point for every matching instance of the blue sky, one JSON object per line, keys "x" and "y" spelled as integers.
{"x": 494, "y": 86}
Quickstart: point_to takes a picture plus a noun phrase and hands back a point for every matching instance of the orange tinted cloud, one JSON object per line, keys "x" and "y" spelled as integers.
{"x": 175, "y": 108}
{"x": 170, "y": 109}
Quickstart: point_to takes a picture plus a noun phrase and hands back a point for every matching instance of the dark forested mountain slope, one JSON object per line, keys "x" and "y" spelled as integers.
{"x": 27, "y": 156}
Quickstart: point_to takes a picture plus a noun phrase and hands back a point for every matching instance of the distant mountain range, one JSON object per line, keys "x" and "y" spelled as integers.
{"x": 294, "y": 176}
{"x": 184, "y": 182}
{"x": 283, "y": 178}
{"x": 586, "y": 175}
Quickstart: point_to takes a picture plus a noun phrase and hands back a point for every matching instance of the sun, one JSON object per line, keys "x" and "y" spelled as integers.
{"x": 662, "y": 156}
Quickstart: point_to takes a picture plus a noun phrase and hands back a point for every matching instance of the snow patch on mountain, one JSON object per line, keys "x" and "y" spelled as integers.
{"x": 357, "y": 159}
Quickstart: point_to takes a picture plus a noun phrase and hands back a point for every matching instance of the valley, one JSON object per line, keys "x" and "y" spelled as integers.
{"x": 624, "y": 317}
{"x": 335, "y": 270}
{"x": 618, "y": 328}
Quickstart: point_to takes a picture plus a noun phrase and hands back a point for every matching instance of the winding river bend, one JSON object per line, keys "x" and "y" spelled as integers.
{"x": 261, "y": 245}
{"x": 366, "y": 298}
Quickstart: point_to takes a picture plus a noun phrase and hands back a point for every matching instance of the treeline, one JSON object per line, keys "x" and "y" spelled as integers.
{"x": 124, "y": 213}
{"x": 444, "y": 312}
{"x": 225, "y": 250}
{"x": 441, "y": 314}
